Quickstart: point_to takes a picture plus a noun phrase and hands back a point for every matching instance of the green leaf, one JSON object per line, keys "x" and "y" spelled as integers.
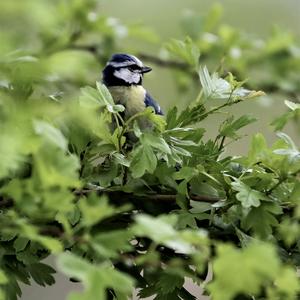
{"x": 258, "y": 149}
{"x": 54, "y": 245}
{"x": 249, "y": 269}
{"x": 20, "y": 243}
{"x": 168, "y": 282}
{"x": 283, "y": 119}
{"x": 94, "y": 208}
{"x": 96, "y": 278}
{"x": 199, "y": 207}
{"x": 167, "y": 235}
{"x": 213, "y": 17}
{"x": 144, "y": 160}
{"x": 42, "y": 273}
{"x": 189, "y": 116}
{"x": 262, "y": 219}
{"x": 147, "y": 225}
{"x": 186, "y": 50}
{"x": 230, "y": 126}
{"x": 109, "y": 244}
{"x": 52, "y": 167}
{"x": 156, "y": 142}
{"x": 287, "y": 283}
{"x": 74, "y": 266}
{"x": 104, "y": 93}
{"x": 186, "y": 173}
{"x": 246, "y": 195}
{"x": 90, "y": 98}
{"x": 107, "y": 99}
{"x": 50, "y": 134}
{"x": 3, "y": 277}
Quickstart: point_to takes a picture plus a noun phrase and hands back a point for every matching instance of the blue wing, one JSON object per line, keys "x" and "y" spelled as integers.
{"x": 149, "y": 101}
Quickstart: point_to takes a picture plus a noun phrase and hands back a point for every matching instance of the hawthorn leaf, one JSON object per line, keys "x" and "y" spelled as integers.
{"x": 144, "y": 160}
{"x": 42, "y": 273}
{"x": 249, "y": 269}
{"x": 230, "y": 126}
{"x": 260, "y": 220}
{"x": 246, "y": 195}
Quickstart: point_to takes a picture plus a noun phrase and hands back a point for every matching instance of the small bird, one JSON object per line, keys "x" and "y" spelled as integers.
{"x": 123, "y": 76}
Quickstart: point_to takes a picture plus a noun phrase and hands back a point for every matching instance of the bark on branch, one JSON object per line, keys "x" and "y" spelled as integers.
{"x": 168, "y": 198}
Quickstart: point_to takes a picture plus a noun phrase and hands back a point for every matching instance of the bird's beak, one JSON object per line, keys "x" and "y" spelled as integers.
{"x": 145, "y": 69}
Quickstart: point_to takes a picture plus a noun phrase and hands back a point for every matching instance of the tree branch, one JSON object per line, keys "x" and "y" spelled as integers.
{"x": 168, "y": 198}
{"x": 164, "y": 63}
{"x": 94, "y": 49}
{"x": 173, "y": 64}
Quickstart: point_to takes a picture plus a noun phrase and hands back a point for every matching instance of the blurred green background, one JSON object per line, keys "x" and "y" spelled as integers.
{"x": 31, "y": 29}
{"x": 44, "y": 28}
{"x": 256, "y": 18}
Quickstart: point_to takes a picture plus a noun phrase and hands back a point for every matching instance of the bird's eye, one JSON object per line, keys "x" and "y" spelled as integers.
{"x": 133, "y": 68}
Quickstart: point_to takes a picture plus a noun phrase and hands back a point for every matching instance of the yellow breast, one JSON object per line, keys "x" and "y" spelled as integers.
{"x": 132, "y": 97}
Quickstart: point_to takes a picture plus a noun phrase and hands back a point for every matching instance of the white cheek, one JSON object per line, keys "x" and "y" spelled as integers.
{"x": 127, "y": 75}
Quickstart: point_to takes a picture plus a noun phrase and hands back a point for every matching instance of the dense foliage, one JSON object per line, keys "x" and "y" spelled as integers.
{"x": 120, "y": 215}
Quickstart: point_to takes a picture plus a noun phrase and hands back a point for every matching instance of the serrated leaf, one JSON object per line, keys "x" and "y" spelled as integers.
{"x": 186, "y": 50}
{"x": 287, "y": 282}
{"x": 144, "y": 160}
{"x": 94, "y": 208}
{"x": 246, "y": 195}
{"x": 55, "y": 168}
{"x": 262, "y": 219}
{"x": 249, "y": 267}
{"x": 168, "y": 282}
{"x": 110, "y": 243}
{"x": 96, "y": 278}
{"x": 42, "y": 273}
{"x": 230, "y": 126}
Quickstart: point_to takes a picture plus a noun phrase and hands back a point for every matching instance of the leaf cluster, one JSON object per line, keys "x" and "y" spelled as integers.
{"x": 122, "y": 208}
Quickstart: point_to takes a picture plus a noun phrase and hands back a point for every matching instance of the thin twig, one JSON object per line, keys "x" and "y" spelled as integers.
{"x": 163, "y": 62}
{"x": 206, "y": 114}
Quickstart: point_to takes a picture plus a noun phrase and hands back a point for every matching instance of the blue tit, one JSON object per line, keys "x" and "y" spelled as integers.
{"x": 123, "y": 76}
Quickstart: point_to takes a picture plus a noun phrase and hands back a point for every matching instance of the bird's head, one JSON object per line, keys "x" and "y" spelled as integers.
{"x": 124, "y": 70}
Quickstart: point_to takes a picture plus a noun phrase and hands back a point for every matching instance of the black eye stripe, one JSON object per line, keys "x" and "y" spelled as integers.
{"x": 134, "y": 67}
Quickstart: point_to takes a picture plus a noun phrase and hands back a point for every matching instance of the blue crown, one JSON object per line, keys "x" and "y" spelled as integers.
{"x": 122, "y": 59}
